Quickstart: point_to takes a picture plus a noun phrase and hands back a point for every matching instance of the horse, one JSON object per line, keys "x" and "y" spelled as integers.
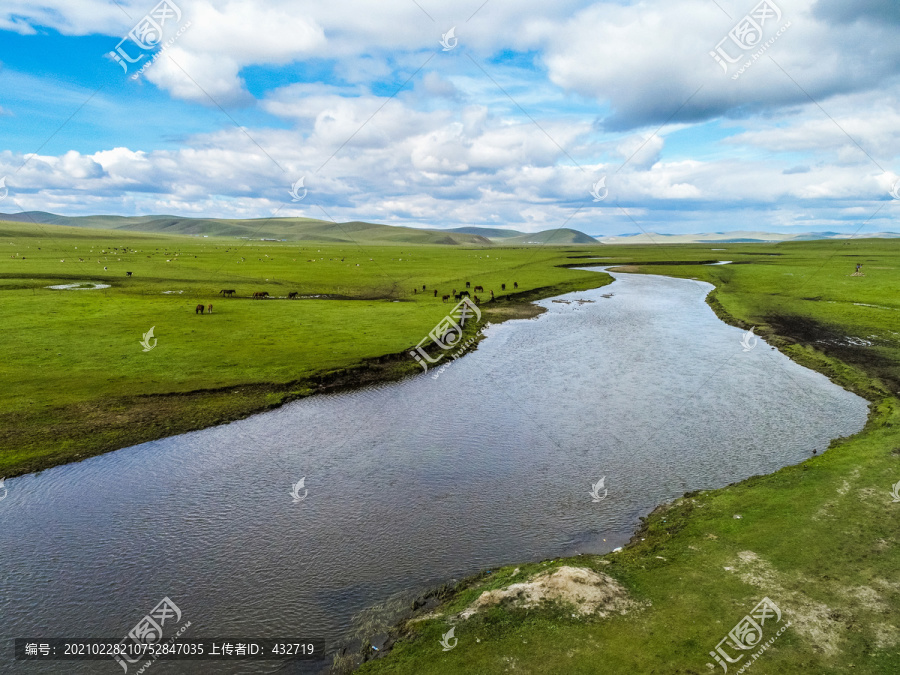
{"x": 423, "y": 287}
{"x": 435, "y": 292}
{"x": 515, "y": 284}
{"x": 127, "y": 274}
{"x": 477, "y": 300}
{"x": 261, "y": 294}
{"x": 292, "y": 295}
{"x": 468, "y": 284}
{"x": 445, "y": 298}
{"x": 492, "y": 295}
{"x": 454, "y": 291}
{"x": 479, "y": 288}
{"x": 227, "y": 292}
{"x": 415, "y": 291}
{"x": 465, "y": 294}
{"x": 199, "y": 309}
{"x": 209, "y": 310}
{"x": 502, "y": 287}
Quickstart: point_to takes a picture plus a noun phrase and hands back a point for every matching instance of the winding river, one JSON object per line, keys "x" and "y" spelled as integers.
{"x": 410, "y": 484}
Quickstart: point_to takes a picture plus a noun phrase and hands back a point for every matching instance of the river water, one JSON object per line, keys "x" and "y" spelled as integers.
{"x": 410, "y": 484}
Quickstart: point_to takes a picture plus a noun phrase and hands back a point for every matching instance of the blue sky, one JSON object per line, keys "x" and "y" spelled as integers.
{"x": 510, "y": 126}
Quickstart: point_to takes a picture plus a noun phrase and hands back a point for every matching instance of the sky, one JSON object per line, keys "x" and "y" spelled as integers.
{"x": 670, "y": 116}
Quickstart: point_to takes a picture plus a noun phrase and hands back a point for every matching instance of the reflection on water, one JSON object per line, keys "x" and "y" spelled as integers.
{"x": 410, "y": 484}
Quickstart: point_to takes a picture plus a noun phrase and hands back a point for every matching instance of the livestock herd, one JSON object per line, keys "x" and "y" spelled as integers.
{"x": 456, "y": 295}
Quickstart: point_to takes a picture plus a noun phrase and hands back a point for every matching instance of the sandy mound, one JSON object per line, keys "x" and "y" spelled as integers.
{"x": 588, "y": 591}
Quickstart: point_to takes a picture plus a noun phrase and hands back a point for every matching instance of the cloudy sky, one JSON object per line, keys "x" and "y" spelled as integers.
{"x": 683, "y": 115}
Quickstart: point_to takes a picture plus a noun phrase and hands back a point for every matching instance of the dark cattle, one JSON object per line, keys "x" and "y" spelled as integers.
{"x": 228, "y": 292}
{"x": 515, "y": 284}
{"x": 468, "y": 284}
{"x": 199, "y": 309}
{"x": 479, "y": 288}
{"x": 435, "y": 292}
{"x": 445, "y": 298}
{"x": 127, "y": 274}
{"x": 502, "y": 287}
{"x": 292, "y": 295}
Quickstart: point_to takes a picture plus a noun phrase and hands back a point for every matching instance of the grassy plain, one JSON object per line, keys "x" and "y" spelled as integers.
{"x": 820, "y": 538}
{"x": 76, "y": 381}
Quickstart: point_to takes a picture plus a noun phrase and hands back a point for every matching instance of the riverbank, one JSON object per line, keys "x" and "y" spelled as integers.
{"x": 819, "y": 539}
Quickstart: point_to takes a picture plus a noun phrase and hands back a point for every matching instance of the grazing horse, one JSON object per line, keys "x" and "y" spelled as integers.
{"x": 468, "y": 284}
{"x": 435, "y": 292}
{"x": 465, "y": 294}
{"x": 227, "y": 292}
{"x": 445, "y": 298}
{"x": 199, "y": 309}
{"x": 457, "y": 296}
{"x": 292, "y": 295}
{"x": 479, "y": 288}
{"x": 261, "y": 294}
{"x": 423, "y": 287}
{"x": 454, "y": 291}
{"x": 477, "y": 300}
{"x": 209, "y": 310}
{"x": 127, "y": 274}
{"x": 502, "y": 287}
{"x": 515, "y": 284}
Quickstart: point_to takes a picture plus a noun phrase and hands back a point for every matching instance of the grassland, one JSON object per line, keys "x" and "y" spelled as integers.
{"x": 76, "y": 381}
{"x": 820, "y": 538}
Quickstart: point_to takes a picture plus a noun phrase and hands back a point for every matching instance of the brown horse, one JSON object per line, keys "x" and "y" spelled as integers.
{"x": 477, "y": 300}
{"x": 261, "y": 294}
{"x": 199, "y": 309}
{"x": 227, "y": 292}
{"x": 515, "y": 284}
{"x": 209, "y": 310}
{"x": 435, "y": 292}
{"x": 479, "y": 288}
{"x": 502, "y": 287}
{"x": 292, "y": 295}
{"x": 445, "y": 298}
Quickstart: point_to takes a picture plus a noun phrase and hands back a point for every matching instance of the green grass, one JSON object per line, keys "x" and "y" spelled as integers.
{"x": 80, "y": 382}
{"x": 819, "y": 538}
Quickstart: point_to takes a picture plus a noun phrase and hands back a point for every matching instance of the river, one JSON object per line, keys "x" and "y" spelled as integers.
{"x": 410, "y": 484}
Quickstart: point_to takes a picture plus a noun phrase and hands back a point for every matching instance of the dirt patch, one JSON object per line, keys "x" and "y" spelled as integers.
{"x": 588, "y": 591}
{"x": 814, "y": 620}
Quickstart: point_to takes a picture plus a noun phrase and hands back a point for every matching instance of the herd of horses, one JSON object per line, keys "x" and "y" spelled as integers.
{"x": 456, "y": 295}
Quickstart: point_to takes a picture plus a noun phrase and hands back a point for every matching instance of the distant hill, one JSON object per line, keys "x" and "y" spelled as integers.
{"x": 304, "y": 229}
{"x": 730, "y": 237}
{"x": 561, "y": 236}
{"x": 291, "y": 229}
{"x": 489, "y": 232}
